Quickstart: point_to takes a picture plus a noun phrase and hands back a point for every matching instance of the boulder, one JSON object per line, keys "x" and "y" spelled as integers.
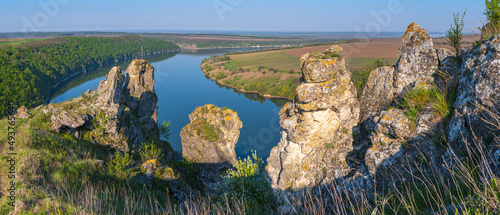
{"x": 142, "y": 97}
{"x": 417, "y": 59}
{"x": 209, "y": 141}
{"x": 211, "y": 136}
{"x": 392, "y": 130}
{"x": 316, "y": 127}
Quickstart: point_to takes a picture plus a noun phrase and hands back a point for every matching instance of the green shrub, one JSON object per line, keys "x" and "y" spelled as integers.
{"x": 164, "y": 129}
{"x": 492, "y": 27}
{"x": 440, "y": 100}
{"x": 150, "y": 151}
{"x": 121, "y": 166}
{"x": 220, "y": 76}
{"x": 454, "y": 35}
{"x": 492, "y": 11}
{"x": 206, "y": 130}
{"x": 247, "y": 182}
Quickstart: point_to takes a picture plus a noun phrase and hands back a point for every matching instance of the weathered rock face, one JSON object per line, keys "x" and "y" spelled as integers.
{"x": 377, "y": 95}
{"x": 316, "y": 126}
{"x": 392, "y": 130}
{"x": 479, "y": 90}
{"x": 142, "y": 97}
{"x": 417, "y": 59}
{"x": 113, "y": 114}
{"x": 111, "y": 90}
{"x": 209, "y": 141}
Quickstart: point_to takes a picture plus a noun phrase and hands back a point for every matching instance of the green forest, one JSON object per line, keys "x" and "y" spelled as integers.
{"x": 28, "y": 71}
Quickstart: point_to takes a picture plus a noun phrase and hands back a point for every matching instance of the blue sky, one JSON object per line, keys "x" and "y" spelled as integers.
{"x": 235, "y": 15}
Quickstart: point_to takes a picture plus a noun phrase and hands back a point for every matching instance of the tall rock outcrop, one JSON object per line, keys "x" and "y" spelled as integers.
{"x": 316, "y": 127}
{"x": 417, "y": 62}
{"x": 209, "y": 141}
{"x": 478, "y": 92}
{"x": 417, "y": 59}
{"x": 121, "y": 113}
{"x": 393, "y": 136}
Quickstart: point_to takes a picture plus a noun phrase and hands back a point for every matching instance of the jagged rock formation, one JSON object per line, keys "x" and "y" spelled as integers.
{"x": 121, "y": 113}
{"x": 316, "y": 127}
{"x": 417, "y": 59}
{"x": 417, "y": 62}
{"x": 209, "y": 141}
{"x": 392, "y": 134}
{"x": 479, "y": 92}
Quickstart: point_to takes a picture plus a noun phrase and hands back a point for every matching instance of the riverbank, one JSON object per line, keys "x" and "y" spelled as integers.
{"x": 269, "y": 81}
{"x": 276, "y": 73}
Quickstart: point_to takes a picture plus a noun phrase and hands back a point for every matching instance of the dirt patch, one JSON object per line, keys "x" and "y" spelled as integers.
{"x": 375, "y": 48}
{"x": 386, "y": 48}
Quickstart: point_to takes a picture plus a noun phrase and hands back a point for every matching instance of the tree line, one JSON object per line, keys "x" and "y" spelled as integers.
{"x": 28, "y": 71}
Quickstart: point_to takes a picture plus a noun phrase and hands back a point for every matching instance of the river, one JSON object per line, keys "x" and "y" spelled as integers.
{"x": 181, "y": 87}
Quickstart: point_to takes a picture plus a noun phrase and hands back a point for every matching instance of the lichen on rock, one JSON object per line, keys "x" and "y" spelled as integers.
{"x": 417, "y": 59}
{"x": 479, "y": 93}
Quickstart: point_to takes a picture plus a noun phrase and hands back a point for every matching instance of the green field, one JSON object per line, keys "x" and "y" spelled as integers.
{"x": 17, "y": 42}
{"x": 269, "y": 59}
{"x": 361, "y": 63}
{"x": 285, "y": 63}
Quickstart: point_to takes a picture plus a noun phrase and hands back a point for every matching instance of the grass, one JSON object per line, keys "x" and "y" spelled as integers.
{"x": 356, "y": 64}
{"x": 270, "y": 85}
{"x": 261, "y": 71}
{"x": 441, "y": 101}
{"x": 206, "y": 130}
{"x": 267, "y": 60}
